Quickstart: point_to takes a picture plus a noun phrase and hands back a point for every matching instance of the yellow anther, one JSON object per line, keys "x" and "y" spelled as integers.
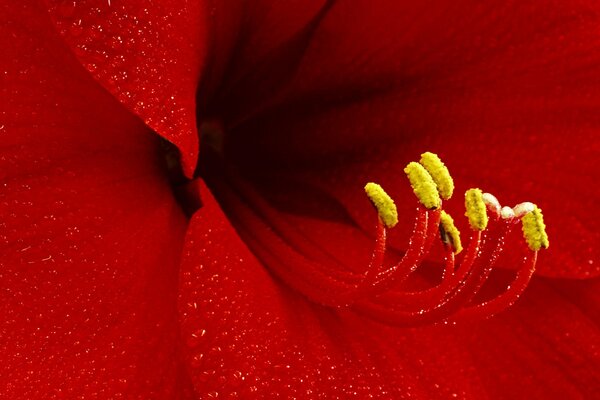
{"x": 423, "y": 185}
{"x": 383, "y": 204}
{"x": 476, "y": 211}
{"x": 534, "y": 229}
{"x": 439, "y": 173}
{"x": 450, "y": 234}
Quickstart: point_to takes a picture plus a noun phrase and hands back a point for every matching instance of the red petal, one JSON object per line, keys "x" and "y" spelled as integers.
{"x": 248, "y": 335}
{"x": 149, "y": 55}
{"x": 505, "y": 93}
{"x": 245, "y": 37}
{"x": 545, "y": 346}
{"x": 90, "y": 234}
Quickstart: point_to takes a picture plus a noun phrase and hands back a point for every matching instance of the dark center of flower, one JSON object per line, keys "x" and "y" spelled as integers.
{"x": 213, "y": 141}
{"x": 212, "y": 135}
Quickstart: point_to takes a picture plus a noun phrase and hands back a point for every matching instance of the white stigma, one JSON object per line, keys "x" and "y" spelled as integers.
{"x": 507, "y": 213}
{"x": 523, "y": 208}
{"x": 492, "y": 203}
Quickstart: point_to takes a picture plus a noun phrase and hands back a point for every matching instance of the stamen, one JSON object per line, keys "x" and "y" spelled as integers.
{"x": 423, "y": 186}
{"x": 534, "y": 229}
{"x": 436, "y": 295}
{"x": 440, "y": 174}
{"x": 451, "y": 302}
{"x": 536, "y": 238}
{"x": 476, "y": 210}
{"x": 383, "y": 204}
{"x": 450, "y": 234}
{"x": 411, "y": 259}
{"x": 506, "y": 299}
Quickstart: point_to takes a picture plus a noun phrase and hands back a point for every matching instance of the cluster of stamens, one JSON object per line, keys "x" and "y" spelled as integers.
{"x": 379, "y": 293}
{"x": 385, "y": 292}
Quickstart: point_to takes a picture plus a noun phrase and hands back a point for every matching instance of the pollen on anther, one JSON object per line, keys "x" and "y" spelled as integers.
{"x": 450, "y": 234}
{"x": 439, "y": 172}
{"x": 534, "y": 229}
{"x": 383, "y": 203}
{"x": 476, "y": 210}
{"x": 423, "y": 185}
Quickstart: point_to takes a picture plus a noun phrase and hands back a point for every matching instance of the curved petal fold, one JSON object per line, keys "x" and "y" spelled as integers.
{"x": 149, "y": 55}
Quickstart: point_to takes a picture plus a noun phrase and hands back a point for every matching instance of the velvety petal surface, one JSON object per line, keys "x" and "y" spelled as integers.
{"x": 90, "y": 234}
{"x": 249, "y": 336}
{"x": 147, "y": 54}
{"x": 505, "y": 92}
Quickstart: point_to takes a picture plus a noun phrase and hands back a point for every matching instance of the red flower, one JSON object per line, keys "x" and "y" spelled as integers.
{"x": 311, "y": 100}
